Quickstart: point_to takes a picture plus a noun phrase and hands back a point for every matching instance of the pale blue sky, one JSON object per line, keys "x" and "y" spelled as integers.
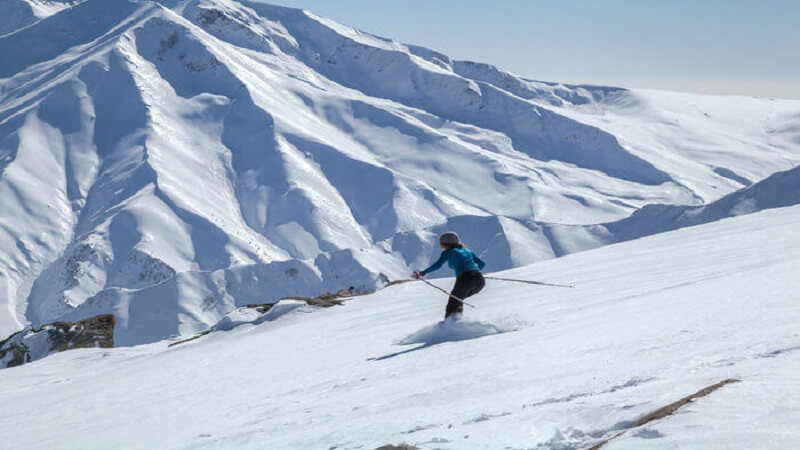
{"x": 712, "y": 46}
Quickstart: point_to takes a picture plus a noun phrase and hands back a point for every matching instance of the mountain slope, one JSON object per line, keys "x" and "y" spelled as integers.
{"x": 529, "y": 367}
{"x": 169, "y": 161}
{"x": 18, "y": 14}
{"x": 779, "y": 190}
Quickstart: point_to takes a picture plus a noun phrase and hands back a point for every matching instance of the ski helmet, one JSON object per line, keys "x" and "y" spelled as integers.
{"x": 449, "y": 238}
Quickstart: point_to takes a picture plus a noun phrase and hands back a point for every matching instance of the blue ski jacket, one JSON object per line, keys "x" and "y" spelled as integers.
{"x": 459, "y": 259}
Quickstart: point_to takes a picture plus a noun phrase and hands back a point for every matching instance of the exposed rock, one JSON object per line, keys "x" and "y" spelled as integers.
{"x": 664, "y": 411}
{"x": 231, "y": 320}
{"x": 328, "y": 299}
{"x": 262, "y": 308}
{"x": 150, "y": 270}
{"x": 398, "y": 447}
{"x": 242, "y": 315}
{"x": 325, "y": 300}
{"x": 195, "y": 337}
{"x": 31, "y": 343}
{"x": 13, "y": 353}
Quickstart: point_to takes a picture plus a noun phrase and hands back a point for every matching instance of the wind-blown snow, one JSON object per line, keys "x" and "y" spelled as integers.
{"x": 648, "y": 322}
{"x": 169, "y": 161}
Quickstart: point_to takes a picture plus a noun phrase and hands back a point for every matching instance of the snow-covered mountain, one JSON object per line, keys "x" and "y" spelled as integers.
{"x": 649, "y": 322}
{"x": 169, "y": 161}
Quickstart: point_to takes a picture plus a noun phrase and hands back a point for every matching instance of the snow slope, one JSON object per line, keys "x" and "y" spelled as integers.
{"x": 648, "y": 322}
{"x": 17, "y": 14}
{"x": 778, "y": 190}
{"x": 169, "y": 161}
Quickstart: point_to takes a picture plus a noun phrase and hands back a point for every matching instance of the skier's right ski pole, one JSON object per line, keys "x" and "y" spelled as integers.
{"x": 529, "y": 282}
{"x": 451, "y": 295}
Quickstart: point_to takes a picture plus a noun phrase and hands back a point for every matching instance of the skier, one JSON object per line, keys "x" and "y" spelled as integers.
{"x": 466, "y": 264}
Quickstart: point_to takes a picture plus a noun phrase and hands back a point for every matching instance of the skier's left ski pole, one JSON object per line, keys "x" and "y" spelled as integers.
{"x": 451, "y": 295}
{"x": 541, "y": 283}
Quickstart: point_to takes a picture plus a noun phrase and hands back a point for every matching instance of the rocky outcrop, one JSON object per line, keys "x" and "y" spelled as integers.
{"x": 255, "y": 313}
{"x": 31, "y": 343}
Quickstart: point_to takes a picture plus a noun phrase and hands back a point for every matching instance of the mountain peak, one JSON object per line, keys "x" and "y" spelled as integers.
{"x": 169, "y": 161}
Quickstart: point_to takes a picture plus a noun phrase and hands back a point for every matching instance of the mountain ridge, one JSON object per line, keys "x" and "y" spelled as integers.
{"x": 175, "y": 160}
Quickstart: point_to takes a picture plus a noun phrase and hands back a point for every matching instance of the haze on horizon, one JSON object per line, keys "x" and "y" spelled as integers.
{"x": 733, "y": 47}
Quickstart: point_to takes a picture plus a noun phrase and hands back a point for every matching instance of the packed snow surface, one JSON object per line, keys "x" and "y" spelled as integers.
{"x": 648, "y": 322}
{"x": 169, "y": 161}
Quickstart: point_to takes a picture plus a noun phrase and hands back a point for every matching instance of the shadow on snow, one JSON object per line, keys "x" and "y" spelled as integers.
{"x": 448, "y": 331}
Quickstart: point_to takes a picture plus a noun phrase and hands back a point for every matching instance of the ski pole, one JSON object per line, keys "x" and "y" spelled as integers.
{"x": 451, "y": 295}
{"x": 530, "y": 282}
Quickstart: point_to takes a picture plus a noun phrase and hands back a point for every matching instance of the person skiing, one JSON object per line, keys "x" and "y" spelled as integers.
{"x": 466, "y": 264}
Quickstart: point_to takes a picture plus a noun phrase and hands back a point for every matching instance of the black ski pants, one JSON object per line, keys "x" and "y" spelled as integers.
{"x": 467, "y": 284}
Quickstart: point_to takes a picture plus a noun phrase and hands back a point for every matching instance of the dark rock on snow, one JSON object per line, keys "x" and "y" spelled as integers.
{"x": 31, "y": 343}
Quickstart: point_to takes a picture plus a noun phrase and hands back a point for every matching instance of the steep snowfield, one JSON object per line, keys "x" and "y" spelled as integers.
{"x": 648, "y": 322}
{"x": 17, "y": 14}
{"x": 169, "y": 161}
